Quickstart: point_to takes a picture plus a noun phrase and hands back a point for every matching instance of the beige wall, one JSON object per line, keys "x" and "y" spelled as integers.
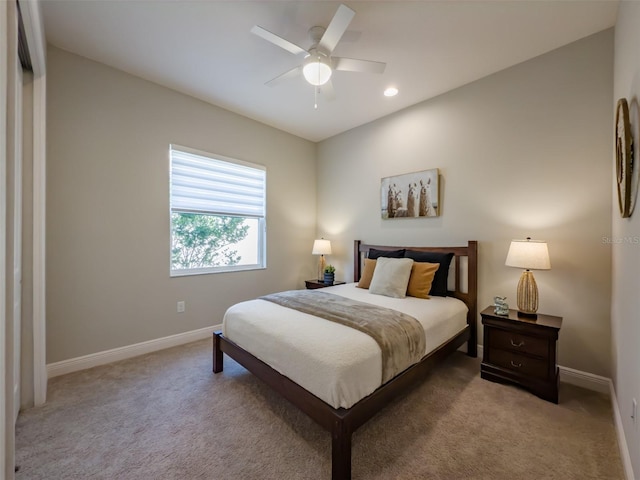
{"x": 108, "y": 279}
{"x": 625, "y": 304}
{"x": 524, "y": 152}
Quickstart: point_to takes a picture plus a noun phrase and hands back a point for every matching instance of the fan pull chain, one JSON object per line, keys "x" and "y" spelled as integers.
{"x": 315, "y": 102}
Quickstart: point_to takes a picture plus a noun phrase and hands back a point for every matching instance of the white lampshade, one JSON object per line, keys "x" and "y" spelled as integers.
{"x": 317, "y": 70}
{"x": 529, "y": 254}
{"x": 321, "y": 247}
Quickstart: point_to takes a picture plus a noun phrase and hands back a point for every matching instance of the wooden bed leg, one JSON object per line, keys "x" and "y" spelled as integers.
{"x": 217, "y": 353}
{"x": 472, "y": 348}
{"x": 341, "y": 451}
{"x": 472, "y": 343}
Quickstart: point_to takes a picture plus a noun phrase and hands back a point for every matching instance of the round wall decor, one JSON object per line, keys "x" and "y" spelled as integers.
{"x": 624, "y": 157}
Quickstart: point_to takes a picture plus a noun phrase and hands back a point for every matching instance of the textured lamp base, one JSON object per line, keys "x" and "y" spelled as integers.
{"x": 321, "y": 264}
{"x": 527, "y": 295}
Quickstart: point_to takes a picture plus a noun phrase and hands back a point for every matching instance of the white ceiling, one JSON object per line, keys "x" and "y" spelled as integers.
{"x": 205, "y": 49}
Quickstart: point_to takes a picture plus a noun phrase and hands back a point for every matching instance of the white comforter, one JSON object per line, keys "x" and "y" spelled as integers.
{"x": 338, "y": 364}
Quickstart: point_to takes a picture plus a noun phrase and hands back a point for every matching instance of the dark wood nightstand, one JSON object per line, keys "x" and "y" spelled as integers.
{"x": 522, "y": 350}
{"x": 312, "y": 284}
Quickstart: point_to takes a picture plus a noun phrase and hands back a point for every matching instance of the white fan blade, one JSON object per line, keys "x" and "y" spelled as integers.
{"x": 336, "y": 28}
{"x": 278, "y": 41}
{"x": 294, "y": 72}
{"x": 327, "y": 91}
{"x": 355, "y": 65}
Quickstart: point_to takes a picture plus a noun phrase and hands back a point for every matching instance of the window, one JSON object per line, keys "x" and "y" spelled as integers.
{"x": 217, "y": 213}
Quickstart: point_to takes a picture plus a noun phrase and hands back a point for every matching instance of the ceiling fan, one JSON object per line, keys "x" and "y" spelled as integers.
{"x": 318, "y": 64}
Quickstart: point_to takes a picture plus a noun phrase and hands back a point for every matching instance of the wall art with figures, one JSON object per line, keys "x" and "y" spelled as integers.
{"x": 411, "y": 195}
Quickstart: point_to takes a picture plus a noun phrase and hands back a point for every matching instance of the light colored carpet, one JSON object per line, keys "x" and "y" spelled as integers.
{"x": 167, "y": 416}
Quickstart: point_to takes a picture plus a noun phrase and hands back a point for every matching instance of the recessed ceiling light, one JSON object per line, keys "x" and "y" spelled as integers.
{"x": 391, "y": 92}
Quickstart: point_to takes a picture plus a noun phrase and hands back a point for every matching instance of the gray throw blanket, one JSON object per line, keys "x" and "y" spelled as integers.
{"x": 400, "y": 336}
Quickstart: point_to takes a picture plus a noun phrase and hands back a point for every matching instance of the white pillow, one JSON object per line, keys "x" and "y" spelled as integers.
{"x": 391, "y": 277}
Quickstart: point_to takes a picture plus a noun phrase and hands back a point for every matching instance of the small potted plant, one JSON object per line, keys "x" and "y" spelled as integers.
{"x": 329, "y": 274}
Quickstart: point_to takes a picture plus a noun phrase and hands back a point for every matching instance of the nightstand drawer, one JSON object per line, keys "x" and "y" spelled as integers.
{"x": 519, "y": 363}
{"x": 521, "y": 350}
{"x": 514, "y": 341}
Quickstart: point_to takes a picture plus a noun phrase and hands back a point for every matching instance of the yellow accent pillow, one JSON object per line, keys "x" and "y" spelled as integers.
{"x": 421, "y": 278}
{"x": 367, "y": 273}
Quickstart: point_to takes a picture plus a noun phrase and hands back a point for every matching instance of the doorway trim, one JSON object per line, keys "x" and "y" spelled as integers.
{"x": 34, "y": 31}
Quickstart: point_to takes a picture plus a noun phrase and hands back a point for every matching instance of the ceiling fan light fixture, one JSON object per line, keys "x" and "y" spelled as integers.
{"x": 317, "y": 69}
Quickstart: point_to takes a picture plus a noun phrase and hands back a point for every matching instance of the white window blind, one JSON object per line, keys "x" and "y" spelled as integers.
{"x": 202, "y": 184}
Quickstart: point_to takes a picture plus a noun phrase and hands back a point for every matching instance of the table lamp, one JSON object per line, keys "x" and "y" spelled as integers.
{"x": 321, "y": 247}
{"x": 530, "y": 255}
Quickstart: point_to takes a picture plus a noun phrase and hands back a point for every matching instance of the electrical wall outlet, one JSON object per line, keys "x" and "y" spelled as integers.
{"x": 181, "y": 306}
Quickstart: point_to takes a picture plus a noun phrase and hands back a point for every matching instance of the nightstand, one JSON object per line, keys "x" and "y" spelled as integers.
{"x": 313, "y": 284}
{"x": 521, "y": 350}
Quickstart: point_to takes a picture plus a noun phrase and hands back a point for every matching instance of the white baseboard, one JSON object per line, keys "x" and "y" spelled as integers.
{"x": 586, "y": 380}
{"x": 101, "y": 358}
{"x": 622, "y": 441}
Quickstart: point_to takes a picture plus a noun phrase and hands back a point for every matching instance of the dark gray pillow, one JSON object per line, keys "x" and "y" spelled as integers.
{"x": 440, "y": 280}
{"x": 374, "y": 253}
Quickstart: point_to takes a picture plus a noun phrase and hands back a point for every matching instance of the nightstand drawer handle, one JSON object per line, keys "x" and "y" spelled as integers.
{"x": 517, "y": 365}
{"x": 514, "y": 344}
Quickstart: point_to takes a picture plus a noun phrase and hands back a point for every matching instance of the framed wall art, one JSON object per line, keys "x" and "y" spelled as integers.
{"x": 410, "y": 195}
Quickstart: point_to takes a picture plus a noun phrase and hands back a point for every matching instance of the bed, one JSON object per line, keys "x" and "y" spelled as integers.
{"x": 341, "y": 405}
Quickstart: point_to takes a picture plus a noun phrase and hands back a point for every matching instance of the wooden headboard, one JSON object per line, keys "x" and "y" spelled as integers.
{"x": 463, "y": 270}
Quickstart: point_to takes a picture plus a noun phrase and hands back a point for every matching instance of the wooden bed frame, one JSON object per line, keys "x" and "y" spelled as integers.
{"x": 343, "y": 422}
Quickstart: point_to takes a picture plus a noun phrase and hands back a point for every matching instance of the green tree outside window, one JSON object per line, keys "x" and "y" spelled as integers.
{"x": 201, "y": 241}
